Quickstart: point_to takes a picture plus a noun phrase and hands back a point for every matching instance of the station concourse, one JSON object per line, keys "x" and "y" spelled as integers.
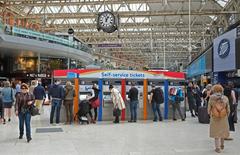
{"x": 119, "y": 77}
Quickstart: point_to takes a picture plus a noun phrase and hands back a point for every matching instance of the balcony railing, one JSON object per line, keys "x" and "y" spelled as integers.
{"x": 30, "y": 34}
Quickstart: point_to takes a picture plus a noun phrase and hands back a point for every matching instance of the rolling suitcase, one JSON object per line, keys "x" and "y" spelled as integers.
{"x": 203, "y": 116}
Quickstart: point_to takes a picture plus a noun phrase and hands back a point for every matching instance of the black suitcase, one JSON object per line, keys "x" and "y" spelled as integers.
{"x": 203, "y": 116}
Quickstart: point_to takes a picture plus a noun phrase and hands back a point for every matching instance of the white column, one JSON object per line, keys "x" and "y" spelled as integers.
{"x": 68, "y": 66}
{"x": 39, "y": 61}
{"x": 189, "y": 26}
{"x": 164, "y": 51}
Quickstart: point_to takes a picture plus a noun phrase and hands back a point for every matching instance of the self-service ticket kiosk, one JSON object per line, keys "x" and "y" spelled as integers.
{"x": 121, "y": 79}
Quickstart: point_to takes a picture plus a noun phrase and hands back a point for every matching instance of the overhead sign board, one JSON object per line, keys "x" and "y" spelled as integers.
{"x": 224, "y": 52}
{"x": 109, "y": 45}
{"x": 119, "y": 74}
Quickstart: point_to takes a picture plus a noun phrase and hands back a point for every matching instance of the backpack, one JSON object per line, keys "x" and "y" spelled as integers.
{"x": 179, "y": 96}
{"x": 158, "y": 95}
{"x": 219, "y": 109}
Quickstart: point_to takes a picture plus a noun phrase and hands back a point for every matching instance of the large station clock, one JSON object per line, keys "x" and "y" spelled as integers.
{"x": 107, "y": 22}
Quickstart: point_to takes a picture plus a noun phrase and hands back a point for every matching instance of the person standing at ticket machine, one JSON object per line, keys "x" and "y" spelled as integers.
{"x": 94, "y": 100}
{"x": 133, "y": 96}
{"x": 118, "y": 103}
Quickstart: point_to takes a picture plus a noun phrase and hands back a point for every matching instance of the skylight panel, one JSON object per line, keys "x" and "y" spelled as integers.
{"x": 86, "y": 30}
{"x": 58, "y": 21}
{"x": 213, "y": 17}
{"x": 66, "y": 10}
{"x": 73, "y": 8}
{"x": 86, "y": 20}
{"x": 135, "y": 20}
{"x": 72, "y": 21}
{"x": 55, "y": 9}
{"x": 222, "y": 2}
{"x": 116, "y": 6}
{"x": 84, "y": 9}
{"x": 36, "y": 10}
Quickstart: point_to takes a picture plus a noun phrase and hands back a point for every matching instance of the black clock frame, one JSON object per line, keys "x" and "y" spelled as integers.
{"x": 111, "y": 29}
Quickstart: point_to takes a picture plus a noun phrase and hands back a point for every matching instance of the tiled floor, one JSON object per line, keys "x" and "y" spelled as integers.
{"x": 106, "y": 138}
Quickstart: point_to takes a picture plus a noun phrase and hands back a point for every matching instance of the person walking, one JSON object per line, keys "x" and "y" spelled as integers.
{"x": 133, "y": 96}
{"x": 93, "y": 99}
{"x": 235, "y": 101}
{"x": 39, "y": 94}
{"x": 218, "y": 109}
{"x": 198, "y": 97}
{"x": 230, "y": 93}
{"x": 24, "y": 100}
{"x": 68, "y": 101}
{"x": 206, "y": 93}
{"x": 32, "y": 87}
{"x": 176, "y": 99}
{"x": 156, "y": 98}
{"x": 1, "y": 104}
{"x": 56, "y": 93}
{"x": 191, "y": 99}
{"x": 7, "y": 99}
{"x": 18, "y": 87}
{"x": 118, "y": 103}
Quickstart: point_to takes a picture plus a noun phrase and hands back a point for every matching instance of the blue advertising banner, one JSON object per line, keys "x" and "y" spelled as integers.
{"x": 71, "y": 75}
{"x": 224, "y": 53}
{"x": 198, "y": 67}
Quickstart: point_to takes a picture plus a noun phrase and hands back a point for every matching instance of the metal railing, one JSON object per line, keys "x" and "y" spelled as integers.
{"x": 35, "y": 35}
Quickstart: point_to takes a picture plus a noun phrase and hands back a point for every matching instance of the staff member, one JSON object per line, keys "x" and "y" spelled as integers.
{"x": 24, "y": 100}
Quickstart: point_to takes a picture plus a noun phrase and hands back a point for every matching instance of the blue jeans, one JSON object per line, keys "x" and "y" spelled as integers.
{"x": 133, "y": 110}
{"x": 25, "y": 118}
{"x": 56, "y": 104}
{"x": 156, "y": 111}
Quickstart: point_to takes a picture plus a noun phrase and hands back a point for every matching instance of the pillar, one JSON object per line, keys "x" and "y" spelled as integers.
{"x": 68, "y": 63}
{"x": 39, "y": 61}
{"x": 166, "y": 99}
{"x": 145, "y": 98}
{"x": 123, "y": 92}
{"x": 76, "y": 98}
{"x": 100, "y": 85}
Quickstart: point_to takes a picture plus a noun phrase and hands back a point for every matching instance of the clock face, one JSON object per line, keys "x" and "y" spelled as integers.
{"x": 106, "y": 20}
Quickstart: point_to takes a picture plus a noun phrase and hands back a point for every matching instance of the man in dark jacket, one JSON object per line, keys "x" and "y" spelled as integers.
{"x": 156, "y": 98}
{"x": 39, "y": 93}
{"x": 56, "y": 94}
{"x": 133, "y": 96}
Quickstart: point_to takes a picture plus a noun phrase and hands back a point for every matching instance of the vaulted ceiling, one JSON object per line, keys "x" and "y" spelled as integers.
{"x": 159, "y": 33}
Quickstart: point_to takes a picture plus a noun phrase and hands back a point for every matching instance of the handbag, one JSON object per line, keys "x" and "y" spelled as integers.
{"x": 116, "y": 112}
{"x": 95, "y": 103}
{"x": 34, "y": 110}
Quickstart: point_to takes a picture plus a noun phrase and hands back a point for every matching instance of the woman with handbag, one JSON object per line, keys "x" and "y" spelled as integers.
{"x": 24, "y": 101}
{"x": 94, "y": 101}
{"x": 118, "y": 103}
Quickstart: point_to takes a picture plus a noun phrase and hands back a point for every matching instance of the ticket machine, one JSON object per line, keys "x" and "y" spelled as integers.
{"x": 121, "y": 79}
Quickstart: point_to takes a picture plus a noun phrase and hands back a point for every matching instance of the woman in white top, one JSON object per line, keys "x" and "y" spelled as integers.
{"x": 118, "y": 103}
